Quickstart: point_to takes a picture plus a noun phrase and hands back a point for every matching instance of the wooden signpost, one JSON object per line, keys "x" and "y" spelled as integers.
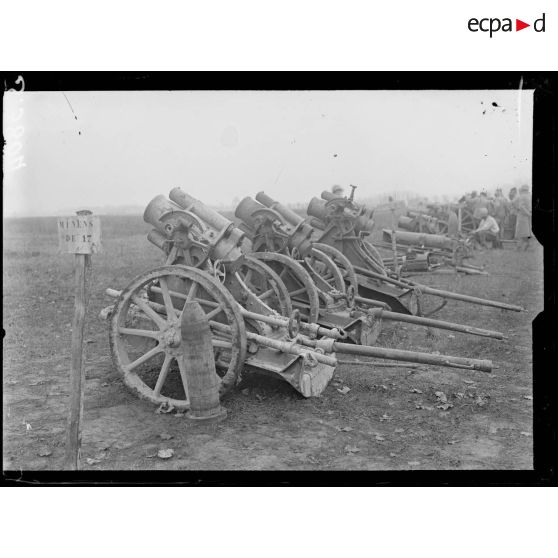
{"x": 81, "y": 236}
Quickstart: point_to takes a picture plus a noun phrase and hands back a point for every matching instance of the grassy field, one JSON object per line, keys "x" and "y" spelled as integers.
{"x": 390, "y": 419}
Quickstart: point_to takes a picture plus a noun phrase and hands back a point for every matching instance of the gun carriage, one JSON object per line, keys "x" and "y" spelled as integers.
{"x": 400, "y": 294}
{"x": 257, "y": 323}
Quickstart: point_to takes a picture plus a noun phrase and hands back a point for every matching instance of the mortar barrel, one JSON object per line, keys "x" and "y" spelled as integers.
{"x": 317, "y": 208}
{"x": 205, "y": 213}
{"x": 328, "y": 196}
{"x": 292, "y": 217}
{"x": 264, "y": 199}
{"x": 437, "y": 292}
{"x": 245, "y": 210}
{"x": 316, "y": 223}
{"x": 412, "y": 356}
{"x": 405, "y": 222}
{"x": 158, "y": 207}
{"x": 157, "y": 238}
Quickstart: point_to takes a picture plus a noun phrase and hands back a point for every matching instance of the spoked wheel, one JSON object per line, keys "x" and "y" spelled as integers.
{"x": 303, "y": 293}
{"x": 467, "y": 221}
{"x": 325, "y": 273}
{"x": 342, "y": 262}
{"x": 262, "y": 281}
{"x": 145, "y": 337}
{"x": 442, "y": 227}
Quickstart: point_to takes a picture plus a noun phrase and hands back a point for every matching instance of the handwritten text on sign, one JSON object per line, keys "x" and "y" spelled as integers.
{"x": 80, "y": 234}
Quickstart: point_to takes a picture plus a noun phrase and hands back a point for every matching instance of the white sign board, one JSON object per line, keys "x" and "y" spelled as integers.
{"x": 80, "y": 234}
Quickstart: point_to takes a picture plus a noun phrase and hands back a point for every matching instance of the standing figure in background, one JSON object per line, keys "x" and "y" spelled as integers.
{"x": 477, "y": 205}
{"x": 484, "y": 201}
{"x": 522, "y": 206}
{"x": 512, "y": 213}
{"x": 453, "y": 222}
{"x": 500, "y": 209}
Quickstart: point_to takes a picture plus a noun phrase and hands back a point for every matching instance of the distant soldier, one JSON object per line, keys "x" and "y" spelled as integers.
{"x": 453, "y": 222}
{"x": 481, "y": 203}
{"x": 488, "y": 229}
{"x": 476, "y": 206}
{"x": 484, "y": 201}
{"x": 337, "y": 190}
{"x": 512, "y": 213}
{"x": 522, "y": 205}
{"x": 500, "y": 209}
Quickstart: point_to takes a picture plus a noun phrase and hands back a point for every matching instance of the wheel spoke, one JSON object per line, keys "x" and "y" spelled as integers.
{"x": 214, "y": 312}
{"x": 210, "y": 303}
{"x": 138, "y": 332}
{"x": 297, "y": 292}
{"x": 221, "y": 343}
{"x": 192, "y": 291}
{"x": 171, "y": 311}
{"x": 144, "y": 358}
{"x": 265, "y": 295}
{"x": 219, "y": 327}
{"x": 171, "y": 258}
{"x": 220, "y": 334}
{"x": 189, "y": 297}
{"x": 148, "y": 311}
{"x": 183, "y": 376}
{"x": 162, "y": 375}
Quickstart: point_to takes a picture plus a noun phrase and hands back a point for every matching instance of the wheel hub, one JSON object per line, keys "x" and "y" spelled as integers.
{"x": 170, "y": 336}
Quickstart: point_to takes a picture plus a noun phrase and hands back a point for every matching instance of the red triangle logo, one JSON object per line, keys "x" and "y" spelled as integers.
{"x": 519, "y": 25}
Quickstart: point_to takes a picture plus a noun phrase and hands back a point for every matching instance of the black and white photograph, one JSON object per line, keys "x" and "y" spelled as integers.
{"x": 266, "y": 279}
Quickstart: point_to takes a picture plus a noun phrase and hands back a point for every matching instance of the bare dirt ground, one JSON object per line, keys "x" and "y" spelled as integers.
{"x": 390, "y": 419}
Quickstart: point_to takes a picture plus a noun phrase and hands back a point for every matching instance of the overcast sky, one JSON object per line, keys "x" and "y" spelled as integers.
{"x": 126, "y": 147}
